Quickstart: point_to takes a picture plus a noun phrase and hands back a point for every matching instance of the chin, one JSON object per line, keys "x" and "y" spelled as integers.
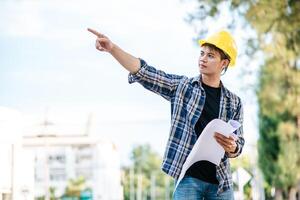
{"x": 205, "y": 73}
{"x": 202, "y": 71}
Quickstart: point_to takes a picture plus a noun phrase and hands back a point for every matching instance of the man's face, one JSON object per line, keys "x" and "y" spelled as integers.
{"x": 210, "y": 62}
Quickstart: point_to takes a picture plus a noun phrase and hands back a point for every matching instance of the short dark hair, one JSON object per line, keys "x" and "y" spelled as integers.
{"x": 220, "y": 51}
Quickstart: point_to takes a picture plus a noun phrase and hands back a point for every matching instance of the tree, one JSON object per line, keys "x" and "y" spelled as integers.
{"x": 146, "y": 171}
{"x": 276, "y": 25}
{"x": 76, "y": 188}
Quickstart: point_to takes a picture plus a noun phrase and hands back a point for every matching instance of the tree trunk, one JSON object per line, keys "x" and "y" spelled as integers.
{"x": 298, "y": 125}
{"x": 298, "y": 192}
{"x": 292, "y": 193}
{"x": 278, "y": 194}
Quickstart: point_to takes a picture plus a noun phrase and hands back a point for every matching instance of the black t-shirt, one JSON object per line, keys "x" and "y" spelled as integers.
{"x": 205, "y": 170}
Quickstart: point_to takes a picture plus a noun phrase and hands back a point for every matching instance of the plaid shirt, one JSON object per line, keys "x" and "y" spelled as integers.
{"x": 187, "y": 98}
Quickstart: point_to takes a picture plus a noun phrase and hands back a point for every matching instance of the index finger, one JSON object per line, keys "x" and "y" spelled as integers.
{"x": 94, "y": 32}
{"x": 219, "y": 134}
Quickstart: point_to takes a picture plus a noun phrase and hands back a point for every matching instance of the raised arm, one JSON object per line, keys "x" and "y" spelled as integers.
{"x": 152, "y": 79}
{"x": 103, "y": 43}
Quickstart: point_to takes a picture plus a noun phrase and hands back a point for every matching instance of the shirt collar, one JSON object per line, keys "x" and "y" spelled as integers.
{"x": 197, "y": 80}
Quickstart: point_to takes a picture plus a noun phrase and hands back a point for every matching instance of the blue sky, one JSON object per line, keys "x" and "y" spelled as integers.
{"x": 49, "y": 65}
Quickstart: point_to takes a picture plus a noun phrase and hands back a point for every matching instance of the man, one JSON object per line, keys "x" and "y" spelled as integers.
{"x": 194, "y": 103}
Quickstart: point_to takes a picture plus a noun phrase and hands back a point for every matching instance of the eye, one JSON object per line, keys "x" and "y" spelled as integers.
{"x": 210, "y": 55}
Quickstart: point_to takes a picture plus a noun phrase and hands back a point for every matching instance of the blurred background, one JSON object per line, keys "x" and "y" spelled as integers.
{"x": 73, "y": 128}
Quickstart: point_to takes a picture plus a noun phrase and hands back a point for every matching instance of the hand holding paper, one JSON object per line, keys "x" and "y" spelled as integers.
{"x": 206, "y": 147}
{"x": 228, "y": 143}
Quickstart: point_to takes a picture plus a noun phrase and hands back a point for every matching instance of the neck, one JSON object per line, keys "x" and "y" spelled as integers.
{"x": 212, "y": 81}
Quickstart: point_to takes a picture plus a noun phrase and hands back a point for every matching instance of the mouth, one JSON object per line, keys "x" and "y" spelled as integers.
{"x": 202, "y": 66}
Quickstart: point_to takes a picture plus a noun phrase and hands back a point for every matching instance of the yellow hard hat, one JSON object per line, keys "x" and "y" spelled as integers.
{"x": 224, "y": 41}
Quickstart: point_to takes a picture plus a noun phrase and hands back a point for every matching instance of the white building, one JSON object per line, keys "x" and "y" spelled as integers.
{"x": 61, "y": 158}
{"x": 32, "y": 164}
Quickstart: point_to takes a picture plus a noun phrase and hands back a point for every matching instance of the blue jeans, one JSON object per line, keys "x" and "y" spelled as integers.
{"x": 194, "y": 189}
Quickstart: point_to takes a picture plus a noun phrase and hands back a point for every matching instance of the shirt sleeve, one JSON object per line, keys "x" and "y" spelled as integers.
{"x": 156, "y": 81}
{"x": 239, "y": 132}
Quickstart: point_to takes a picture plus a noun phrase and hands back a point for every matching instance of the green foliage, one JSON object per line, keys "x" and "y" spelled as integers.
{"x": 51, "y": 192}
{"x": 278, "y": 93}
{"x": 241, "y": 161}
{"x": 146, "y": 165}
{"x": 75, "y": 188}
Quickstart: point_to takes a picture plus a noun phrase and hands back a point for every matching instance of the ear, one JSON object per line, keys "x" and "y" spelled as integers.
{"x": 225, "y": 63}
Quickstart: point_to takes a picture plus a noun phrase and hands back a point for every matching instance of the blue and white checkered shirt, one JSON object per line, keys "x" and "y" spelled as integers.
{"x": 187, "y": 98}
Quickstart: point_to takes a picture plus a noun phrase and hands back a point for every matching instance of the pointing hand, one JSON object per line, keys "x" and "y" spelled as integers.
{"x": 102, "y": 42}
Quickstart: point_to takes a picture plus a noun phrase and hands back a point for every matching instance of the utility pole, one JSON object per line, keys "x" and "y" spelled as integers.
{"x": 46, "y": 124}
{"x": 167, "y": 189}
{"x": 131, "y": 183}
{"x": 152, "y": 186}
{"x": 12, "y": 170}
{"x": 88, "y": 124}
{"x": 139, "y": 192}
{"x": 47, "y": 195}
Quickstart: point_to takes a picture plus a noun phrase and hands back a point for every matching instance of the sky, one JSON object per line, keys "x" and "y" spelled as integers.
{"x": 50, "y": 69}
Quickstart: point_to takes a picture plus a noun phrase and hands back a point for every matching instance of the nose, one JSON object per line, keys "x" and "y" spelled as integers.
{"x": 203, "y": 59}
